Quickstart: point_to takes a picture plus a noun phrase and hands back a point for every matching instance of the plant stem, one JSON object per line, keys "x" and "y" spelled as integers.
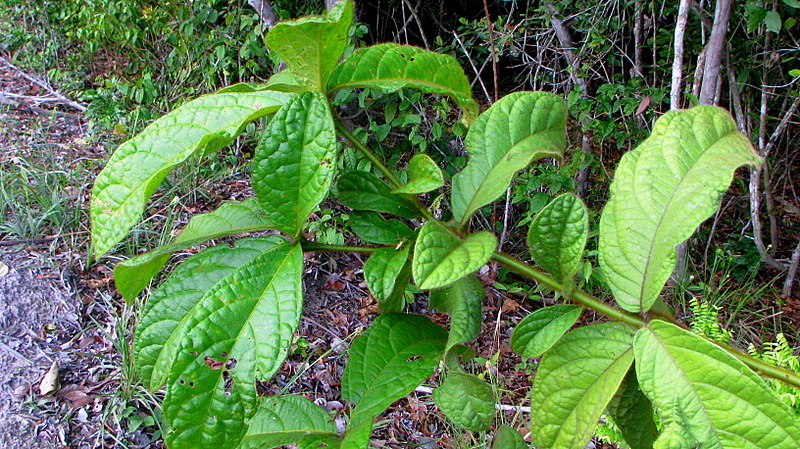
{"x": 314, "y": 246}
{"x": 355, "y": 143}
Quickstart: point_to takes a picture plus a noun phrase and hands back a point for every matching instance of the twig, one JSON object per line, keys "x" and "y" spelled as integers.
{"x": 492, "y": 50}
{"x": 500, "y": 407}
{"x": 41, "y": 240}
{"x": 419, "y": 22}
{"x": 787, "y": 285}
{"x": 265, "y": 12}
{"x": 53, "y": 92}
{"x": 677, "y": 62}
{"x": 472, "y": 64}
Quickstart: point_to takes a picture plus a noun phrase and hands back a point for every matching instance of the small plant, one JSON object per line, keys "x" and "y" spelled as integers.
{"x": 224, "y": 319}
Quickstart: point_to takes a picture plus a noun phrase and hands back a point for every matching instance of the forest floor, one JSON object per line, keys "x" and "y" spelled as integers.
{"x": 66, "y": 372}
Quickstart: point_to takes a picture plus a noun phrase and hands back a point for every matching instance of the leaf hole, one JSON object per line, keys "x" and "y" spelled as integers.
{"x": 230, "y": 363}
{"x": 194, "y": 353}
{"x": 191, "y": 384}
{"x": 413, "y": 357}
{"x": 224, "y": 354}
{"x": 229, "y": 383}
{"x": 181, "y": 381}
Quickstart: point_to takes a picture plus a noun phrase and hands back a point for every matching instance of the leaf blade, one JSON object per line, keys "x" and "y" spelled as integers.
{"x": 466, "y": 400}
{"x": 282, "y": 420}
{"x": 540, "y": 330}
{"x": 441, "y": 258}
{"x": 558, "y": 234}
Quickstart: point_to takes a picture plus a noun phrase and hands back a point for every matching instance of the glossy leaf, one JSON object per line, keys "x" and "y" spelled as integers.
{"x": 558, "y": 234}
{"x": 282, "y": 420}
{"x": 661, "y": 192}
{"x": 540, "y": 330}
{"x": 133, "y": 275}
{"x": 466, "y": 400}
{"x": 138, "y": 166}
{"x": 462, "y": 300}
{"x": 389, "y": 67}
{"x": 424, "y": 175}
{"x": 294, "y": 163}
{"x": 161, "y": 327}
{"x": 575, "y": 381}
{"x": 362, "y": 190}
{"x": 441, "y": 258}
{"x": 239, "y": 332}
{"x": 508, "y": 438}
{"x": 387, "y": 362}
{"x": 705, "y": 395}
{"x": 387, "y": 273}
{"x": 633, "y": 414}
{"x": 372, "y": 227}
{"x": 311, "y": 46}
{"x": 518, "y": 129}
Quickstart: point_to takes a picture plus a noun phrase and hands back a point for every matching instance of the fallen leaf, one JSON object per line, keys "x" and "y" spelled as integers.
{"x": 3, "y": 269}
{"x": 49, "y": 382}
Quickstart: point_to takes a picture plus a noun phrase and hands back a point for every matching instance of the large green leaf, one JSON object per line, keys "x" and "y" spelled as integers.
{"x": 387, "y": 272}
{"x": 540, "y": 330}
{"x": 441, "y": 257}
{"x": 521, "y": 127}
{"x": 705, "y": 395}
{"x": 372, "y": 227}
{"x": 362, "y": 190}
{"x": 284, "y": 420}
{"x": 423, "y": 174}
{"x": 467, "y": 400}
{"x": 133, "y": 275}
{"x": 575, "y": 381}
{"x": 508, "y": 438}
{"x": 161, "y": 326}
{"x": 462, "y": 300}
{"x": 294, "y": 163}
{"x": 387, "y": 362}
{"x": 311, "y": 46}
{"x": 138, "y": 166}
{"x": 633, "y": 413}
{"x": 661, "y": 192}
{"x": 557, "y": 236}
{"x": 389, "y": 67}
{"x": 239, "y": 332}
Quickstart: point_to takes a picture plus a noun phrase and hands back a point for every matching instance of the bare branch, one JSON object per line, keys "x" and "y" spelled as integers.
{"x": 265, "y": 12}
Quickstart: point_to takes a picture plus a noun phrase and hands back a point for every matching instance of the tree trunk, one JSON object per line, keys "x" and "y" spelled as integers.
{"x": 714, "y": 51}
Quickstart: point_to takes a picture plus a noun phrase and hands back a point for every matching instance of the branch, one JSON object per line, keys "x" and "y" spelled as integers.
{"x": 54, "y": 93}
{"x": 265, "y": 12}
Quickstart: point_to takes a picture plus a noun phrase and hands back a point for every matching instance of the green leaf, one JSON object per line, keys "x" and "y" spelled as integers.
{"x": 311, "y": 46}
{"x": 362, "y": 190}
{"x": 633, "y": 414}
{"x": 284, "y": 420}
{"x": 466, "y": 400}
{"x": 161, "y": 326}
{"x": 508, "y": 438}
{"x": 540, "y": 330}
{"x": 792, "y": 3}
{"x": 138, "y": 166}
{"x": 557, "y": 236}
{"x": 462, "y": 300}
{"x": 372, "y": 227}
{"x": 708, "y": 396}
{"x": 387, "y": 362}
{"x": 239, "y": 332}
{"x": 661, "y": 192}
{"x": 518, "y": 129}
{"x": 389, "y": 67}
{"x": 575, "y": 381}
{"x": 133, "y": 275}
{"x": 441, "y": 258}
{"x": 772, "y": 19}
{"x": 424, "y": 176}
{"x": 294, "y": 163}
{"x": 386, "y": 273}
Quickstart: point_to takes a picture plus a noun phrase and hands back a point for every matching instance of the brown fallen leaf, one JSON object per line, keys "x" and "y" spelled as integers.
{"x": 49, "y": 383}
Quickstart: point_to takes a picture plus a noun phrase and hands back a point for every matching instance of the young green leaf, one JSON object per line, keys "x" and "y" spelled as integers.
{"x": 661, "y": 192}
{"x": 311, "y": 46}
{"x": 462, "y": 300}
{"x": 386, "y": 273}
{"x": 540, "y": 330}
{"x": 138, "y": 166}
{"x": 161, "y": 326}
{"x": 294, "y": 163}
{"x": 633, "y": 414}
{"x": 441, "y": 258}
{"x": 424, "y": 175}
{"x": 466, "y": 400}
{"x": 706, "y": 395}
{"x": 575, "y": 381}
{"x": 239, "y": 332}
{"x": 518, "y": 129}
{"x": 508, "y": 438}
{"x": 372, "y": 227}
{"x": 387, "y": 362}
{"x": 282, "y": 420}
{"x": 557, "y": 236}
{"x": 389, "y": 67}
{"x": 362, "y": 190}
{"x": 133, "y": 275}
